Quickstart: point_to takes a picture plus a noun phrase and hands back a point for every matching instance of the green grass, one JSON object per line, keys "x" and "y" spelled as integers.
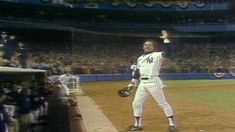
{"x": 222, "y": 99}
{"x": 219, "y": 98}
{"x": 192, "y": 83}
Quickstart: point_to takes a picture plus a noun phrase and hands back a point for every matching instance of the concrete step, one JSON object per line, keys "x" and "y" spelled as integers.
{"x": 94, "y": 119}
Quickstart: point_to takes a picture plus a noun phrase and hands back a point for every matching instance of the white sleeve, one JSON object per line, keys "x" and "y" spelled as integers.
{"x": 158, "y": 55}
{"x": 138, "y": 64}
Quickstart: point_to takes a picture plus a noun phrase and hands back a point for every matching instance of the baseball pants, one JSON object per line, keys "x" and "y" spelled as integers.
{"x": 144, "y": 90}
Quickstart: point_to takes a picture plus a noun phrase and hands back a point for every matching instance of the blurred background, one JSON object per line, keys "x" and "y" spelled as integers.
{"x": 100, "y": 37}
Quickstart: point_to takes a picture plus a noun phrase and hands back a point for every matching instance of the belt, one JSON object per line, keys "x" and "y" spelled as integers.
{"x": 144, "y": 78}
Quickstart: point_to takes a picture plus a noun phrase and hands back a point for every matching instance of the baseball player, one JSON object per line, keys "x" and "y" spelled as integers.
{"x": 146, "y": 74}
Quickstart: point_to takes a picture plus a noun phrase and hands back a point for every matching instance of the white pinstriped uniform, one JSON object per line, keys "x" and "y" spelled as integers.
{"x": 149, "y": 66}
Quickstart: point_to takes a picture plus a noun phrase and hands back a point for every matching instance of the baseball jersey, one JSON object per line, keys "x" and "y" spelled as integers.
{"x": 64, "y": 79}
{"x": 149, "y": 65}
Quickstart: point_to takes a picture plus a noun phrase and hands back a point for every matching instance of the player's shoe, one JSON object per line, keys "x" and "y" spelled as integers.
{"x": 135, "y": 128}
{"x": 172, "y": 129}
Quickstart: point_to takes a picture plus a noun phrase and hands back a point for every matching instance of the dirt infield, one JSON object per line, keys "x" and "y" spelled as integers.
{"x": 192, "y": 116}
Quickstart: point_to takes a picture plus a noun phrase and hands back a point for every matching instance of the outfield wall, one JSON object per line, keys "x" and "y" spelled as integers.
{"x": 164, "y": 76}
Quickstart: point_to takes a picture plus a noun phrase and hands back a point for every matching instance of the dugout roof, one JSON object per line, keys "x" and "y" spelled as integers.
{"x": 19, "y": 70}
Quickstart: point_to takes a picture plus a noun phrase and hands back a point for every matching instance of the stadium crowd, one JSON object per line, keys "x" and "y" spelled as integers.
{"x": 114, "y": 58}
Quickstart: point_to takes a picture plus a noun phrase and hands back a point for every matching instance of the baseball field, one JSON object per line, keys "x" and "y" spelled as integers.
{"x": 199, "y": 105}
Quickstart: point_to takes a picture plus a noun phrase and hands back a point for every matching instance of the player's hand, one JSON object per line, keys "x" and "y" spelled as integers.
{"x": 134, "y": 81}
{"x": 165, "y": 37}
{"x": 133, "y": 67}
{"x": 128, "y": 90}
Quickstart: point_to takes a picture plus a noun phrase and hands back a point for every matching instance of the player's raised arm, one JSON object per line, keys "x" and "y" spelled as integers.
{"x": 166, "y": 50}
{"x": 166, "y": 44}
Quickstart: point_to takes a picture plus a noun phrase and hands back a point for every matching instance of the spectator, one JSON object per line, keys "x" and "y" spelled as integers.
{"x": 4, "y": 117}
{"x": 6, "y": 48}
{"x": 26, "y": 116}
{"x": 15, "y": 95}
